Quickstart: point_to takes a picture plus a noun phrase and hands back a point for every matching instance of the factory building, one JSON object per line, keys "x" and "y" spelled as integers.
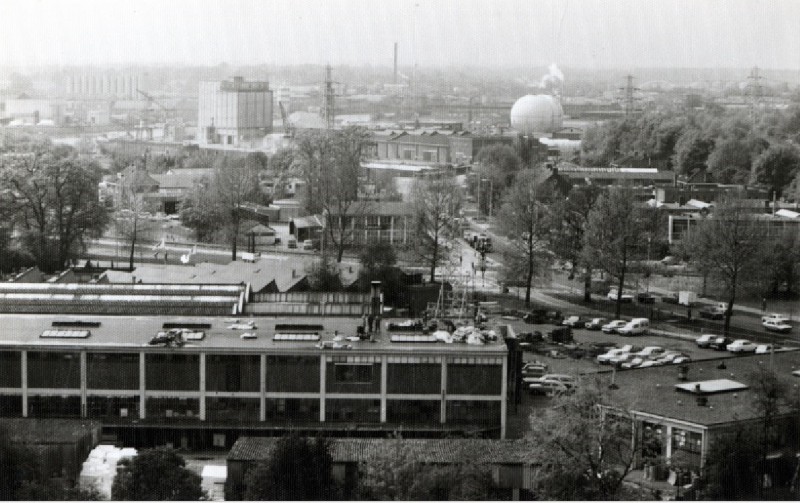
{"x": 105, "y": 85}
{"x": 234, "y": 113}
{"x": 219, "y": 379}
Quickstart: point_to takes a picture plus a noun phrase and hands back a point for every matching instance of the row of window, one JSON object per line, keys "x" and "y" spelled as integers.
{"x": 244, "y": 410}
{"x": 241, "y": 373}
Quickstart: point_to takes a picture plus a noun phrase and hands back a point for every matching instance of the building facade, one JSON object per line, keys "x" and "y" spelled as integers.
{"x": 234, "y": 112}
{"x": 217, "y": 384}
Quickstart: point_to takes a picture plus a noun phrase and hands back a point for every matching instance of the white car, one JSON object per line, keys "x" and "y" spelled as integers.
{"x": 621, "y": 358}
{"x": 633, "y": 363}
{"x": 741, "y": 346}
{"x": 549, "y": 388}
{"x": 626, "y": 297}
{"x": 777, "y": 326}
{"x": 763, "y": 349}
{"x": 775, "y": 317}
{"x": 650, "y": 363}
{"x": 595, "y": 323}
{"x": 668, "y": 357}
{"x": 613, "y": 326}
{"x": 606, "y": 357}
{"x": 704, "y": 340}
{"x": 651, "y": 352}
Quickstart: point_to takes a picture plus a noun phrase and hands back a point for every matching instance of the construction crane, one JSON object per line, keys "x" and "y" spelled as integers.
{"x": 287, "y": 126}
{"x": 170, "y": 114}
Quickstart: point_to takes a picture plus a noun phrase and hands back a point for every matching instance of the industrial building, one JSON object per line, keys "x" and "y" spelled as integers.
{"x": 234, "y": 113}
{"x": 221, "y": 378}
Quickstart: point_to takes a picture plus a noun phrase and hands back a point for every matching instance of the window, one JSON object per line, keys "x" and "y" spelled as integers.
{"x": 353, "y": 373}
{"x": 112, "y": 371}
{"x": 10, "y": 368}
{"x": 414, "y": 378}
{"x": 54, "y": 370}
{"x": 473, "y": 379}
{"x": 232, "y": 372}
{"x": 293, "y": 374}
{"x": 172, "y": 372}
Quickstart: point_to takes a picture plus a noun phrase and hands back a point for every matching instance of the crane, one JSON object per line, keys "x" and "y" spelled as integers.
{"x": 287, "y": 126}
{"x": 170, "y": 114}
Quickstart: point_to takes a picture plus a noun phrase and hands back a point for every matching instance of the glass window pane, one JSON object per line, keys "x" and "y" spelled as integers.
{"x": 232, "y": 372}
{"x": 172, "y": 372}
{"x": 10, "y": 368}
{"x": 465, "y": 379}
{"x": 414, "y": 378}
{"x": 54, "y": 370}
{"x": 112, "y": 371}
{"x": 293, "y": 374}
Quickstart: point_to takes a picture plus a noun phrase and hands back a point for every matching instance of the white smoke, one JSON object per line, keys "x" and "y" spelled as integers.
{"x": 553, "y": 79}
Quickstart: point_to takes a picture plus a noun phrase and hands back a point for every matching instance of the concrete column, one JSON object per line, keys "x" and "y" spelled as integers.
{"x": 142, "y": 387}
{"x": 322, "y": 376}
{"x": 443, "y": 409}
{"x": 202, "y": 387}
{"x": 384, "y": 378}
{"x": 24, "y": 382}
{"x": 262, "y": 400}
{"x": 668, "y": 441}
{"x": 504, "y": 398}
{"x": 83, "y": 384}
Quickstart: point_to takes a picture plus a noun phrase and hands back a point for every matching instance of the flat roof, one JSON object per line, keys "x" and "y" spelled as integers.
{"x": 652, "y": 390}
{"x": 120, "y": 333}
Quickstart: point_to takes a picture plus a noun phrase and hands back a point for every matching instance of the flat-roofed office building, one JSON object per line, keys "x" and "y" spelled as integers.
{"x": 216, "y": 384}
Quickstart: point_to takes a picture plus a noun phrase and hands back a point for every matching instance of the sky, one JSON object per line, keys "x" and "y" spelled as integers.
{"x": 490, "y": 33}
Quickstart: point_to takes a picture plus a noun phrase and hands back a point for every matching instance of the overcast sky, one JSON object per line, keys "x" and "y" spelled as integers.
{"x": 587, "y": 33}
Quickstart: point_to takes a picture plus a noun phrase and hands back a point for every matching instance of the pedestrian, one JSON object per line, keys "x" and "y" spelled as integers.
{"x": 364, "y": 322}
{"x": 378, "y": 324}
{"x": 370, "y": 319}
{"x": 764, "y": 305}
{"x": 461, "y": 259}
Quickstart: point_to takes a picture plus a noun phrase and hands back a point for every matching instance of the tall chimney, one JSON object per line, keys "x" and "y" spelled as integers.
{"x": 395, "y": 63}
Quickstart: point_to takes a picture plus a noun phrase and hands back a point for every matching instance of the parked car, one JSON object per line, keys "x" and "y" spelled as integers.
{"x": 612, "y": 296}
{"x": 671, "y": 298}
{"x": 681, "y": 359}
{"x": 775, "y": 317}
{"x": 712, "y": 312}
{"x": 308, "y": 244}
{"x": 777, "y": 326}
{"x": 621, "y": 358}
{"x": 606, "y": 357}
{"x": 741, "y": 346}
{"x": 534, "y": 369}
{"x": 613, "y": 326}
{"x": 566, "y": 379}
{"x": 650, "y": 363}
{"x": 668, "y": 357}
{"x": 633, "y": 362}
{"x": 645, "y": 298}
{"x": 574, "y": 321}
{"x": 595, "y": 323}
{"x": 651, "y": 352}
{"x": 720, "y": 343}
{"x": 549, "y": 388}
{"x": 539, "y": 316}
{"x": 763, "y": 349}
{"x": 637, "y": 326}
{"x": 704, "y": 340}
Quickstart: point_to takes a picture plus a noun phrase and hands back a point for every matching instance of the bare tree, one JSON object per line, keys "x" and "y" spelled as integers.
{"x": 522, "y": 218}
{"x": 234, "y": 184}
{"x": 611, "y": 235}
{"x": 436, "y": 203}
{"x": 730, "y": 243}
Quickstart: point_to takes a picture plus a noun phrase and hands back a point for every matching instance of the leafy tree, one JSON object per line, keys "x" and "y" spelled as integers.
{"x": 568, "y": 220}
{"x": 692, "y": 150}
{"x": 730, "y": 243}
{"x": 498, "y": 166}
{"x": 776, "y": 167}
{"x": 298, "y": 469}
{"x": 731, "y": 469}
{"x": 436, "y": 203}
{"x": 395, "y": 475}
{"x": 200, "y": 211}
{"x": 55, "y": 202}
{"x": 582, "y": 446}
{"x": 280, "y": 169}
{"x": 158, "y": 474}
{"x": 612, "y": 235}
{"x": 323, "y": 276}
{"x": 523, "y": 218}
{"x": 732, "y": 159}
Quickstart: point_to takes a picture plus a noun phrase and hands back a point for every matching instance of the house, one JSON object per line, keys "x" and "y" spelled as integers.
{"x": 383, "y": 222}
{"x": 680, "y": 411}
{"x": 506, "y": 460}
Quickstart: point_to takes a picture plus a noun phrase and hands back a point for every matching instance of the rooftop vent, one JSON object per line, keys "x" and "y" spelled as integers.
{"x": 65, "y": 334}
{"x": 412, "y": 338}
{"x": 307, "y": 337}
{"x": 712, "y": 386}
{"x": 75, "y": 323}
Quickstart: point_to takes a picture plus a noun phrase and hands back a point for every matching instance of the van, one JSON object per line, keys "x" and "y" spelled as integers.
{"x": 637, "y": 326}
{"x": 308, "y": 244}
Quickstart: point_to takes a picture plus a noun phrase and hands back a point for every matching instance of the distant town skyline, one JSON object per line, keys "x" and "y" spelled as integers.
{"x": 624, "y": 34}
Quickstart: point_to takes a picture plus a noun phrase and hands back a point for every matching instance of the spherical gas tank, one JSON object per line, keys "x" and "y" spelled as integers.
{"x": 539, "y": 113}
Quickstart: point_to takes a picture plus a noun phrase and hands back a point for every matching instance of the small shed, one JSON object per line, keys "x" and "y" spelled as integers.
{"x": 303, "y": 228}
{"x": 260, "y": 236}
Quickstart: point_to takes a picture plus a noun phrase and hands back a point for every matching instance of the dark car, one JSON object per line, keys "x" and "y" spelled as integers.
{"x": 712, "y": 313}
{"x": 720, "y": 343}
{"x": 539, "y": 316}
{"x": 561, "y": 334}
{"x": 645, "y": 298}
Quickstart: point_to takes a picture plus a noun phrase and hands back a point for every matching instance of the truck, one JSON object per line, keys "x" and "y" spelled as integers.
{"x": 687, "y": 298}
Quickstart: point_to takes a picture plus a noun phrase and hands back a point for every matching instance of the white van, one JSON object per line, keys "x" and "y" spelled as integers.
{"x": 637, "y": 326}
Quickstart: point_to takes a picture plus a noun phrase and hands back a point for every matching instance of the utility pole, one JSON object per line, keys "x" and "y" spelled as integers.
{"x": 755, "y": 92}
{"x": 328, "y": 104}
{"x": 629, "y": 99}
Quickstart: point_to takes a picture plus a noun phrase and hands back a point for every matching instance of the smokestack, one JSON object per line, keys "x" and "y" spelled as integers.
{"x": 395, "y": 63}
